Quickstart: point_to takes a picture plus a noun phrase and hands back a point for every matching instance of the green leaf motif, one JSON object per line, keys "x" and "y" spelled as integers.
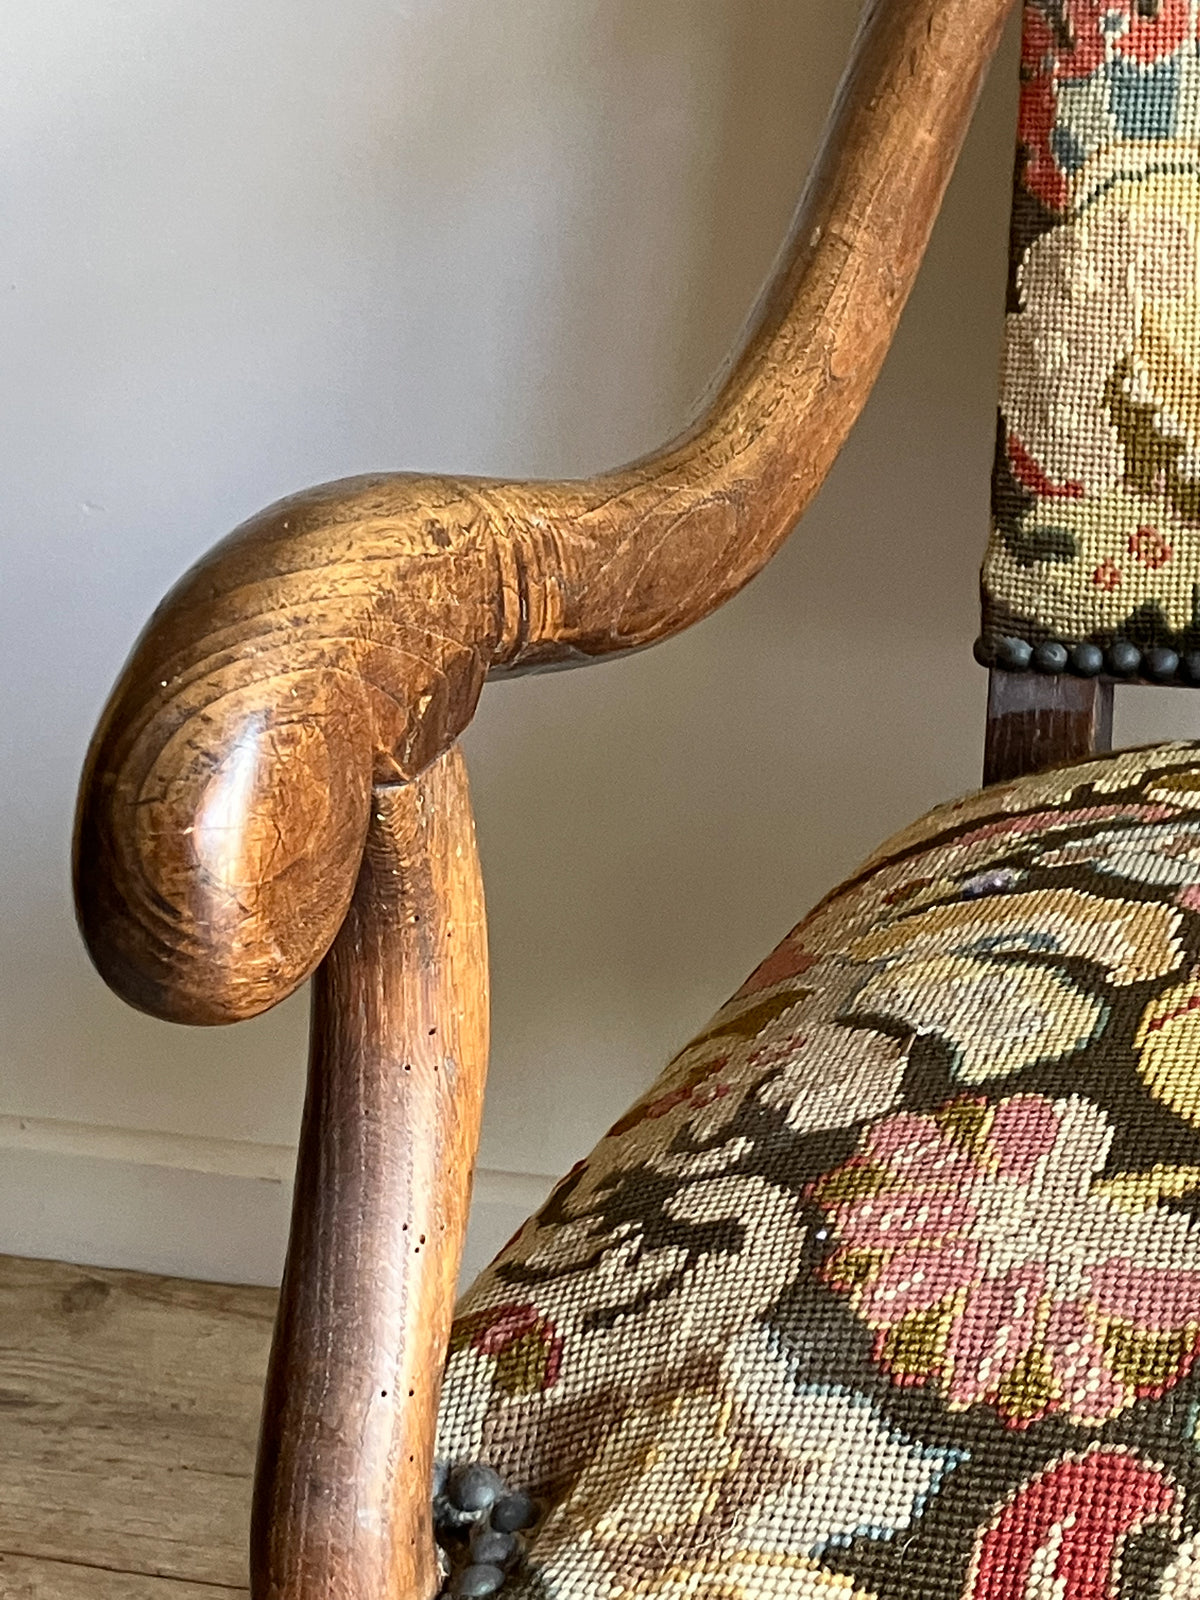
{"x": 1041, "y": 542}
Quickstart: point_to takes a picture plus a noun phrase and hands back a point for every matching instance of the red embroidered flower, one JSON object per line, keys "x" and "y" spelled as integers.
{"x": 1071, "y": 47}
{"x": 1107, "y": 576}
{"x": 1080, "y": 47}
{"x": 1149, "y": 546}
{"x": 697, "y": 1089}
{"x": 1026, "y": 471}
{"x": 1094, "y": 27}
{"x": 788, "y": 960}
{"x": 1038, "y": 112}
{"x": 1151, "y": 33}
{"x": 1063, "y": 1531}
{"x": 527, "y": 1349}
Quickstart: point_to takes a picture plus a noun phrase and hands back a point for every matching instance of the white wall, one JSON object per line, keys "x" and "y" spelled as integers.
{"x": 252, "y": 244}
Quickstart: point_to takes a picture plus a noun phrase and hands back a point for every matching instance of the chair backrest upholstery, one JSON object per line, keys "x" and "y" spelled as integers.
{"x": 1094, "y": 559}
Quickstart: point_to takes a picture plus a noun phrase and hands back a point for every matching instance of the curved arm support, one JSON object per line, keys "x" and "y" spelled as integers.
{"x": 343, "y": 1492}
{"x": 343, "y": 636}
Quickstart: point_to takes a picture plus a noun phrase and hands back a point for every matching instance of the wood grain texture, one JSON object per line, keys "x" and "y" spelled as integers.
{"x": 342, "y": 637}
{"x": 22, "y": 1579}
{"x": 128, "y": 1413}
{"x": 1035, "y": 721}
{"x": 399, "y": 1057}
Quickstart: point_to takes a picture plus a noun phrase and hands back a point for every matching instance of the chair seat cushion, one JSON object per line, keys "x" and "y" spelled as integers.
{"x": 890, "y": 1285}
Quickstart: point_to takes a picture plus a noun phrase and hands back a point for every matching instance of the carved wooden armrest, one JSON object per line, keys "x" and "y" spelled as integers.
{"x": 343, "y": 636}
{"x": 299, "y": 693}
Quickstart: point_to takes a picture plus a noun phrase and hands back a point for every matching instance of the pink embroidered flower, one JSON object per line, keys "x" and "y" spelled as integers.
{"x": 978, "y": 1247}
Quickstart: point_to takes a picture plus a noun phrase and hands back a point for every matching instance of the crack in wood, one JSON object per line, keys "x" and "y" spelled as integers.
{"x": 125, "y": 1572}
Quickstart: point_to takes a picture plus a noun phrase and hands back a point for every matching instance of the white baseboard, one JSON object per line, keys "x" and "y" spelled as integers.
{"x": 214, "y": 1209}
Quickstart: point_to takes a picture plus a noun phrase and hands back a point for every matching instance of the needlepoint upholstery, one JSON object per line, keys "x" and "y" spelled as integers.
{"x": 890, "y": 1285}
{"x": 1096, "y": 488}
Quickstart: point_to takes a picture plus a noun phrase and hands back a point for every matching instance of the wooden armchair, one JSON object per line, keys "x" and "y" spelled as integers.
{"x": 275, "y": 792}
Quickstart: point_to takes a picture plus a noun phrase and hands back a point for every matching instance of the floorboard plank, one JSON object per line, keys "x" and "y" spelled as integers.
{"x": 25, "y": 1579}
{"x": 128, "y": 1417}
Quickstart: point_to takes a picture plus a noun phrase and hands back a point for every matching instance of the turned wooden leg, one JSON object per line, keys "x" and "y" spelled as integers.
{"x": 396, "y": 1074}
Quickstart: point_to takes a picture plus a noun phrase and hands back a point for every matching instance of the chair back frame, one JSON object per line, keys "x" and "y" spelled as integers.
{"x": 1036, "y": 721}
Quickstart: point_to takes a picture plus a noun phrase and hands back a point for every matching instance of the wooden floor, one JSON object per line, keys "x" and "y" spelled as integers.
{"x": 128, "y": 1415}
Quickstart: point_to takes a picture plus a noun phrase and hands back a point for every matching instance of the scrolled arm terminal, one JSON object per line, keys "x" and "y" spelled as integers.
{"x": 342, "y": 637}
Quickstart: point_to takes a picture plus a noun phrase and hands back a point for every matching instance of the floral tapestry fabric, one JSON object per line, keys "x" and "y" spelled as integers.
{"x": 889, "y": 1288}
{"x": 1096, "y": 490}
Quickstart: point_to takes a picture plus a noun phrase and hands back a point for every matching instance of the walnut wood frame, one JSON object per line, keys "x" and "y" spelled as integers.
{"x": 1036, "y": 721}
{"x": 274, "y": 785}
{"x": 398, "y": 1058}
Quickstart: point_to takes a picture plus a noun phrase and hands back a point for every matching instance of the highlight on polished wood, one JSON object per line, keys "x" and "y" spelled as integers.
{"x": 341, "y": 638}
